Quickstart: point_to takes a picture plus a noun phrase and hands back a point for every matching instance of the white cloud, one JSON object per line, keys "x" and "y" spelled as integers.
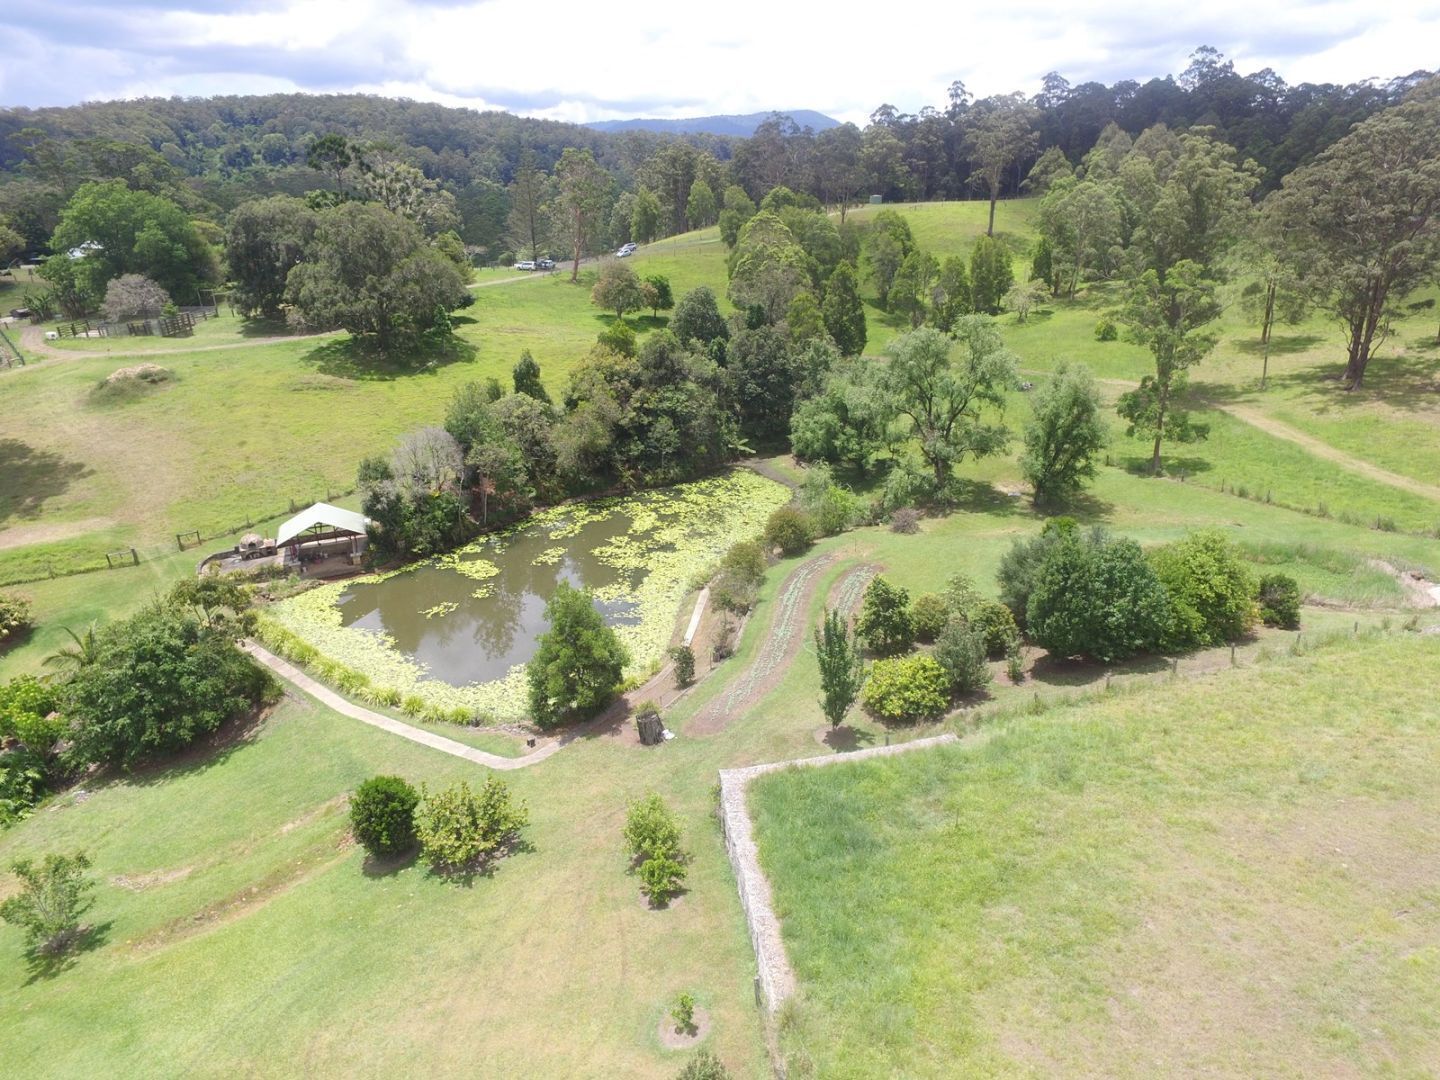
{"x": 583, "y": 61}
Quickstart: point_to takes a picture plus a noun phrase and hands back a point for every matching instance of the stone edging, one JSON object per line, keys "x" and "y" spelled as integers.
{"x": 775, "y": 977}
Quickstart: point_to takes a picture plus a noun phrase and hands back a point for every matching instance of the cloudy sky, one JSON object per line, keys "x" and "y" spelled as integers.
{"x": 593, "y": 61}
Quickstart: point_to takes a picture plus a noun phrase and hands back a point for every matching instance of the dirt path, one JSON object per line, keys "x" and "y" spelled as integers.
{"x": 1255, "y": 418}
{"x": 329, "y": 698}
{"x": 785, "y": 635}
{"x": 1324, "y": 450}
{"x": 32, "y": 342}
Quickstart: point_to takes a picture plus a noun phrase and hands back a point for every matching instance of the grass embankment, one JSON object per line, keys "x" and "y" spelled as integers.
{"x": 1233, "y": 878}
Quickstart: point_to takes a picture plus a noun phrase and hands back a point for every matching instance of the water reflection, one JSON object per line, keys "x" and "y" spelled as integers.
{"x": 486, "y": 636}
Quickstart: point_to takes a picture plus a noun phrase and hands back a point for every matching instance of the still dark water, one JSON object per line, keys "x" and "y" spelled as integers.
{"x": 484, "y": 637}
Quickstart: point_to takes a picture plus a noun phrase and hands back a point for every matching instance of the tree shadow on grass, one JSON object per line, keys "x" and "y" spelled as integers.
{"x": 353, "y": 358}
{"x": 389, "y": 865}
{"x": 1171, "y": 466}
{"x": 41, "y": 965}
{"x": 979, "y": 497}
{"x": 844, "y": 739}
{"x": 1054, "y": 671}
{"x": 1280, "y": 344}
{"x": 484, "y": 867}
{"x": 31, "y": 477}
{"x": 205, "y": 753}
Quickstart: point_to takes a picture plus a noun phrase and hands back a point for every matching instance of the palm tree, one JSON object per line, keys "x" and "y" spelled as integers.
{"x": 82, "y": 654}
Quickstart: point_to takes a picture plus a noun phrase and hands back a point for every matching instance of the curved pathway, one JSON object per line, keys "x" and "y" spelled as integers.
{"x": 293, "y": 675}
{"x": 1247, "y": 414}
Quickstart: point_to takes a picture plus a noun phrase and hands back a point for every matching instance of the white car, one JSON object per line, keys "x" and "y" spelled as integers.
{"x": 524, "y": 264}
{"x": 625, "y": 252}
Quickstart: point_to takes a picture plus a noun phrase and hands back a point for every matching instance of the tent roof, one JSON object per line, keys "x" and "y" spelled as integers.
{"x": 321, "y": 514}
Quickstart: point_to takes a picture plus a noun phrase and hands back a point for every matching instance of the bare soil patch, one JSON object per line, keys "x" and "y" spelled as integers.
{"x": 684, "y": 1040}
{"x": 141, "y": 882}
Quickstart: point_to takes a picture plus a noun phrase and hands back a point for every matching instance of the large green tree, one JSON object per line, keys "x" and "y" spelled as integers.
{"x": 121, "y": 231}
{"x": 1362, "y": 223}
{"x": 767, "y": 267}
{"x": 265, "y": 240}
{"x": 578, "y": 662}
{"x": 1000, "y": 133}
{"x": 584, "y": 195}
{"x": 1169, "y": 318}
{"x": 943, "y": 397}
{"x": 371, "y": 272}
{"x": 844, "y": 311}
{"x": 1064, "y": 433}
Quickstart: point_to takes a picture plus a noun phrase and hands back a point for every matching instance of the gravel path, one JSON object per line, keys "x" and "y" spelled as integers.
{"x": 293, "y": 675}
{"x": 777, "y": 978}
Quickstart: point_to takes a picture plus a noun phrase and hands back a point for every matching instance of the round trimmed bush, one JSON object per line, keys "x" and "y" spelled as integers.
{"x": 995, "y": 624}
{"x": 1279, "y": 601}
{"x": 382, "y": 815}
{"x": 789, "y": 529}
{"x": 907, "y": 688}
{"x": 1212, "y": 591}
{"x": 928, "y": 614}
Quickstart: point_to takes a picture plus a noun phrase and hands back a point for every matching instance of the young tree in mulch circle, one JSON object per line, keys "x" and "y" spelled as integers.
{"x": 652, "y": 839}
{"x": 842, "y": 669}
{"x": 53, "y": 896}
{"x": 461, "y": 830}
{"x": 579, "y": 660}
{"x": 382, "y": 815}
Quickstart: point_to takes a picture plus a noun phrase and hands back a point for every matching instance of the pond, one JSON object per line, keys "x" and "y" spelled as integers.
{"x": 457, "y": 630}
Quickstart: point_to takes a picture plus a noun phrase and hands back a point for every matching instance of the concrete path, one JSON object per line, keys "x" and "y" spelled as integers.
{"x": 293, "y": 675}
{"x": 777, "y": 978}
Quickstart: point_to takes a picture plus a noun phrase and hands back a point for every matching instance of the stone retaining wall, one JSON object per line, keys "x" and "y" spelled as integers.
{"x": 777, "y": 980}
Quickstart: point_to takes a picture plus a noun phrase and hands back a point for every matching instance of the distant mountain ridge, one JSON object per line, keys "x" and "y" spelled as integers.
{"x": 741, "y": 126}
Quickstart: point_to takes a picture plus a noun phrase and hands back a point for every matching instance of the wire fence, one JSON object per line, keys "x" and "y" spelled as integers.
{"x": 116, "y": 559}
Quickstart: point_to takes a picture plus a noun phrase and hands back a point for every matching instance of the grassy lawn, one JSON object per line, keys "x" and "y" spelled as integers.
{"x": 1236, "y": 878}
{"x": 232, "y": 901}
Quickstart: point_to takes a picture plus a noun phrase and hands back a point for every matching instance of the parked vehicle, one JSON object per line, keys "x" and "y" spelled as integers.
{"x": 524, "y": 264}
{"x": 545, "y": 264}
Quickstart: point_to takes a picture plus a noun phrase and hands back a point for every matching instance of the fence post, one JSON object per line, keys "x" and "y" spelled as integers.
{"x": 1175, "y": 668}
{"x": 134, "y": 556}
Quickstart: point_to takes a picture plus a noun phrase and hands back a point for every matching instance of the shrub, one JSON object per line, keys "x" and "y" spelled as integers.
{"x": 737, "y": 582}
{"x": 842, "y": 670}
{"x": 928, "y": 615}
{"x": 1015, "y": 663}
{"x": 161, "y": 679}
{"x": 1106, "y": 330}
{"x": 683, "y": 657}
{"x": 1211, "y": 589}
{"x": 1278, "y": 598}
{"x": 15, "y": 615}
{"x": 652, "y": 836}
{"x": 52, "y": 897}
{"x": 459, "y": 828}
{"x": 832, "y": 507}
{"x": 960, "y": 652}
{"x": 382, "y": 815}
{"x": 618, "y": 337}
{"x": 885, "y": 622}
{"x": 905, "y": 520}
{"x": 789, "y": 529}
{"x": 1020, "y": 566}
{"x": 704, "y": 1066}
{"x": 1097, "y": 596}
{"x": 907, "y": 688}
{"x": 684, "y": 1013}
{"x": 412, "y": 705}
{"x": 650, "y": 828}
{"x": 578, "y": 662}
{"x": 996, "y": 626}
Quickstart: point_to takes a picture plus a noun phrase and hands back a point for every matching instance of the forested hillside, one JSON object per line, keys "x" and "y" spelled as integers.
{"x": 211, "y": 154}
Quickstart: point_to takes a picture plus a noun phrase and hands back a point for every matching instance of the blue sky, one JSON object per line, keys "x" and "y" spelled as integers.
{"x": 591, "y": 61}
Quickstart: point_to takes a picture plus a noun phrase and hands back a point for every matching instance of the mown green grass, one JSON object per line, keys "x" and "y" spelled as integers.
{"x": 1232, "y": 878}
{"x": 242, "y": 933}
